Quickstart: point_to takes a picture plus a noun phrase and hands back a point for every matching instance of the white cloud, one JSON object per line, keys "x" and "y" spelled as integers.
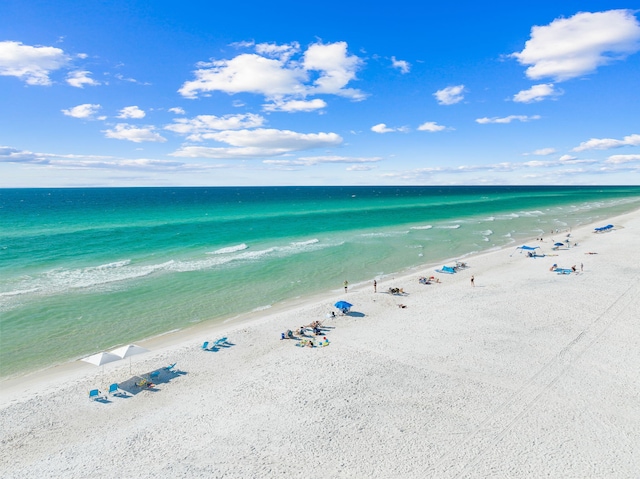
{"x": 542, "y": 152}
{"x": 80, "y": 78}
{"x": 608, "y": 143}
{"x": 288, "y": 139}
{"x": 571, "y": 47}
{"x": 450, "y": 95}
{"x": 336, "y": 69}
{"x": 282, "y": 52}
{"x": 621, "y": 159}
{"x": 281, "y": 77}
{"x": 507, "y": 119}
{"x": 247, "y": 73}
{"x": 315, "y": 160}
{"x": 260, "y": 142}
{"x": 381, "y": 128}
{"x": 177, "y": 110}
{"x": 295, "y": 105}
{"x": 361, "y": 168}
{"x": 567, "y": 158}
{"x": 131, "y": 112}
{"x": 401, "y": 65}
{"x": 124, "y": 131}
{"x": 12, "y": 155}
{"x": 86, "y": 110}
{"x": 202, "y": 126}
{"x": 431, "y": 126}
{"x": 536, "y": 93}
{"x": 32, "y": 64}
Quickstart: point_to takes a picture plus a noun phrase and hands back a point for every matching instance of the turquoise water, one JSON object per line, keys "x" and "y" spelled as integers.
{"x": 82, "y": 270}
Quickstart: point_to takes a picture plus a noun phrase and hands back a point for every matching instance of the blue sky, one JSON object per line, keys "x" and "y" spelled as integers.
{"x": 139, "y": 93}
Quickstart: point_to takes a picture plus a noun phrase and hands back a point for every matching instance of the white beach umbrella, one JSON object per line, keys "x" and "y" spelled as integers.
{"x": 100, "y": 359}
{"x": 128, "y": 351}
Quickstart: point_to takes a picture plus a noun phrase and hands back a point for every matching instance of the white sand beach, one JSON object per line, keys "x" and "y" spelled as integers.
{"x": 527, "y": 374}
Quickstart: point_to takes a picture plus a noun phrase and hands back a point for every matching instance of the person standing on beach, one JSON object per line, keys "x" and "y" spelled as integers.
{"x": 472, "y": 281}
{"x": 375, "y": 286}
{"x": 346, "y": 284}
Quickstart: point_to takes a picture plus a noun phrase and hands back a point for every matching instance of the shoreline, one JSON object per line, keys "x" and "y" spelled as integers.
{"x": 173, "y": 338}
{"x": 134, "y": 321}
{"x": 169, "y": 340}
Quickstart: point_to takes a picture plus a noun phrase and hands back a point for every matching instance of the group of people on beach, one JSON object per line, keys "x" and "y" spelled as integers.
{"x": 315, "y": 326}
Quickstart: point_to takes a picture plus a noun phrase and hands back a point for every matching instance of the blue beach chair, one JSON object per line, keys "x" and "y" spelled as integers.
{"x": 114, "y": 390}
{"x": 95, "y": 394}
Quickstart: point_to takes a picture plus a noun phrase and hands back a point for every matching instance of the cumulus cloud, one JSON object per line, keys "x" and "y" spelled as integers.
{"x": 124, "y": 131}
{"x": 401, "y": 65}
{"x": 383, "y": 128}
{"x": 507, "y": 119}
{"x": 608, "y": 143}
{"x": 536, "y": 93}
{"x": 450, "y": 95}
{"x": 621, "y": 159}
{"x": 177, "y": 110}
{"x": 283, "y": 52}
{"x": 571, "y": 47}
{"x": 131, "y": 112}
{"x": 259, "y": 142}
{"x": 86, "y": 110}
{"x": 278, "y": 72}
{"x": 202, "y": 126}
{"x": 295, "y": 105}
{"x": 431, "y": 126}
{"x": 542, "y": 152}
{"x": 80, "y": 78}
{"x": 32, "y": 64}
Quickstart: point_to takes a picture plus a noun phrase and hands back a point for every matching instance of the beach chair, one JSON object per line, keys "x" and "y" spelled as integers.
{"x": 95, "y": 394}
{"x": 220, "y": 341}
{"x": 170, "y": 367}
{"x": 114, "y": 390}
{"x": 154, "y": 375}
{"x": 205, "y": 346}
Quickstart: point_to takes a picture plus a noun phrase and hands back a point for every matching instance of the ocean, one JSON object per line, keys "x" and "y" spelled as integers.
{"x": 85, "y": 270}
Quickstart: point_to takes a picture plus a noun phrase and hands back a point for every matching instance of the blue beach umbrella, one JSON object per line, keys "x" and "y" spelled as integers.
{"x": 343, "y": 305}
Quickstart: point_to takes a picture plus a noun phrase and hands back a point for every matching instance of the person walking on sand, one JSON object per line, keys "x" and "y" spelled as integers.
{"x": 375, "y": 286}
{"x": 472, "y": 281}
{"x": 346, "y": 284}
